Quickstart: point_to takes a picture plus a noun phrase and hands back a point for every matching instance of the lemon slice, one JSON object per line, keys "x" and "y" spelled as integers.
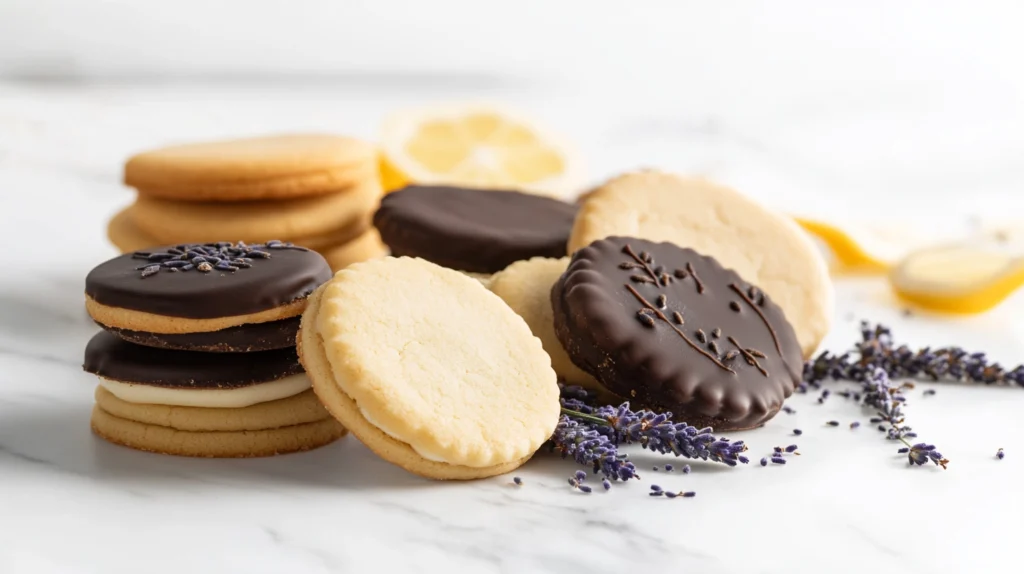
{"x": 865, "y": 248}
{"x": 959, "y": 278}
{"x": 476, "y": 146}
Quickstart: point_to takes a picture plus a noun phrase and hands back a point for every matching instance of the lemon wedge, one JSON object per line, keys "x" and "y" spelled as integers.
{"x": 863, "y": 248}
{"x": 476, "y": 146}
{"x": 958, "y": 278}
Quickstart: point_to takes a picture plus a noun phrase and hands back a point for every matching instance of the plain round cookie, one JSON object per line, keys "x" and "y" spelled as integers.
{"x": 214, "y": 444}
{"x": 174, "y": 221}
{"x": 363, "y": 248}
{"x": 767, "y": 249}
{"x": 526, "y": 287}
{"x": 273, "y": 167}
{"x": 443, "y": 366}
{"x": 294, "y": 410}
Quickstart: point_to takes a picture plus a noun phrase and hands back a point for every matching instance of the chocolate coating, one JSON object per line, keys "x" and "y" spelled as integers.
{"x": 111, "y": 357}
{"x": 289, "y": 274}
{"x": 674, "y": 330}
{"x": 247, "y": 338}
{"x": 473, "y": 230}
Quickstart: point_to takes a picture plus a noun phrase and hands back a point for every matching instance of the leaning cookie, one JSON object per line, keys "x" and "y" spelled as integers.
{"x": 766, "y": 248}
{"x": 675, "y": 330}
{"x": 385, "y": 344}
{"x": 219, "y": 297}
{"x": 471, "y": 230}
{"x": 204, "y": 404}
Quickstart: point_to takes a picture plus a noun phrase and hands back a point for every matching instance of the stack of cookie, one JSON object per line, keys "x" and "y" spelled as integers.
{"x": 318, "y": 191}
{"x": 197, "y": 356}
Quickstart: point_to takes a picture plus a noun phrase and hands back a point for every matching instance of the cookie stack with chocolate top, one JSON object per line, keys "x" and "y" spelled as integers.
{"x": 319, "y": 191}
{"x": 197, "y": 356}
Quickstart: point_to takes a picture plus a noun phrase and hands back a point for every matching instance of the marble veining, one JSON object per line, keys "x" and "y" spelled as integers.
{"x": 71, "y": 503}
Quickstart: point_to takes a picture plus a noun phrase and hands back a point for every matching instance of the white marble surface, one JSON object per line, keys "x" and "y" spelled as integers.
{"x": 71, "y": 503}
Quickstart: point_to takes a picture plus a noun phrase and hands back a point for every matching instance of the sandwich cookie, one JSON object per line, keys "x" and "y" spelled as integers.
{"x": 765, "y": 248}
{"x": 473, "y": 230}
{"x": 173, "y": 221}
{"x": 676, "y": 331}
{"x": 276, "y": 167}
{"x": 204, "y": 404}
{"x": 217, "y": 297}
{"x": 525, "y": 286}
{"x": 385, "y": 344}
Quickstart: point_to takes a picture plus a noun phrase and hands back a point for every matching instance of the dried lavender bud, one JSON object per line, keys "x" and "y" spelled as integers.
{"x": 788, "y": 410}
{"x": 778, "y": 460}
{"x": 701, "y": 336}
{"x": 792, "y": 448}
{"x": 580, "y": 475}
{"x": 657, "y": 493}
{"x": 854, "y": 424}
{"x": 662, "y": 301}
{"x": 644, "y": 316}
{"x": 777, "y": 449}
{"x": 734, "y": 306}
{"x": 1000, "y": 454}
{"x": 655, "y": 469}
{"x": 677, "y": 317}
{"x": 606, "y": 484}
{"x": 922, "y": 453}
{"x": 585, "y": 488}
{"x": 764, "y": 461}
{"x": 517, "y": 480}
{"x": 881, "y": 428}
{"x": 668, "y": 468}
{"x": 204, "y": 267}
{"x": 670, "y": 494}
{"x": 903, "y": 450}
{"x": 655, "y": 488}
{"x": 928, "y": 392}
{"x": 716, "y": 333}
{"x": 689, "y": 494}
{"x": 150, "y": 270}
{"x": 833, "y": 423}
{"x": 798, "y": 432}
{"x": 686, "y": 469}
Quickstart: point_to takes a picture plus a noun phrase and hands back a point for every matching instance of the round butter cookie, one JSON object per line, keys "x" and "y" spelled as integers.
{"x": 221, "y": 297}
{"x": 767, "y": 249}
{"x": 173, "y": 221}
{"x": 363, "y": 248}
{"x": 429, "y": 369}
{"x": 275, "y": 167}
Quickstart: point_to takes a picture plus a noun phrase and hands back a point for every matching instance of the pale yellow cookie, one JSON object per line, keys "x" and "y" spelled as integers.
{"x": 219, "y": 444}
{"x": 766, "y": 248}
{"x": 172, "y": 221}
{"x": 272, "y": 167}
{"x": 526, "y": 287}
{"x": 294, "y": 410}
{"x": 134, "y": 320}
{"x": 446, "y": 380}
{"x": 363, "y": 248}
{"x": 126, "y": 236}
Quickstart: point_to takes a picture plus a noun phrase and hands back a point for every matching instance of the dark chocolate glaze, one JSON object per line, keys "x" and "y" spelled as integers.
{"x": 247, "y": 338}
{"x": 728, "y": 364}
{"x": 471, "y": 229}
{"x": 111, "y": 357}
{"x": 289, "y": 274}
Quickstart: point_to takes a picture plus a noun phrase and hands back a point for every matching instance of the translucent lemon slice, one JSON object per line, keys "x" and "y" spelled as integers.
{"x": 476, "y": 146}
{"x": 863, "y": 248}
{"x": 959, "y": 278}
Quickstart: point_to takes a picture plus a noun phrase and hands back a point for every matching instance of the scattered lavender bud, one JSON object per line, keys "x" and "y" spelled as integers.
{"x": 580, "y": 475}
{"x": 686, "y": 469}
{"x": 668, "y": 468}
{"x": 881, "y": 428}
{"x": 655, "y": 469}
{"x": 798, "y": 432}
{"x": 606, "y": 484}
{"x": 903, "y": 450}
{"x": 778, "y": 460}
{"x": 791, "y": 448}
{"x": 778, "y": 449}
{"x": 585, "y": 488}
{"x": 689, "y": 494}
{"x": 655, "y": 488}
{"x": 573, "y": 482}
{"x": 743, "y": 459}
{"x": 928, "y": 392}
{"x": 854, "y": 424}
{"x": 517, "y": 480}
{"x": 670, "y": 494}
{"x": 655, "y": 493}
{"x": 833, "y": 423}
{"x": 1000, "y": 454}
{"x": 788, "y": 410}
{"x": 764, "y": 461}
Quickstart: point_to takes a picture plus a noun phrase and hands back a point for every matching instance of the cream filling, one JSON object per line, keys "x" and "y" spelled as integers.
{"x": 208, "y": 398}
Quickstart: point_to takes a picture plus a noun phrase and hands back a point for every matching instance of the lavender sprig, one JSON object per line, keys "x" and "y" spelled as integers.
{"x": 588, "y": 447}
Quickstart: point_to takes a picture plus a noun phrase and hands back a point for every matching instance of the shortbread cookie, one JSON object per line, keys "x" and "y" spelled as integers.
{"x": 473, "y": 230}
{"x": 214, "y": 444}
{"x": 173, "y": 221}
{"x": 676, "y": 331}
{"x": 765, "y": 248}
{"x": 190, "y": 288}
{"x": 138, "y": 374}
{"x": 295, "y": 410}
{"x": 254, "y": 168}
{"x": 125, "y": 235}
{"x": 429, "y": 369}
{"x": 526, "y": 287}
{"x": 363, "y": 248}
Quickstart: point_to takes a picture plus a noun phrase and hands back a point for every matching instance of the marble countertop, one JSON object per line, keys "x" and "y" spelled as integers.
{"x": 72, "y": 503}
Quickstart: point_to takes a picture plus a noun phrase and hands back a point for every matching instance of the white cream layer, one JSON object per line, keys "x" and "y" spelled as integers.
{"x": 208, "y": 398}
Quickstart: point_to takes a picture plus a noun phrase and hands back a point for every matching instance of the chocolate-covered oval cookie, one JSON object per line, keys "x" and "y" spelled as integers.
{"x": 674, "y": 330}
{"x": 478, "y": 231}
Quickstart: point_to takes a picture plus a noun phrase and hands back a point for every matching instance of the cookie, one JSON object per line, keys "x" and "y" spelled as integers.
{"x": 173, "y": 221}
{"x": 363, "y": 248}
{"x": 429, "y": 369}
{"x": 473, "y": 230}
{"x": 676, "y": 331}
{"x": 765, "y": 248}
{"x": 148, "y": 375}
{"x": 214, "y": 444}
{"x": 190, "y": 288}
{"x": 295, "y": 410}
{"x": 525, "y": 286}
{"x": 275, "y": 167}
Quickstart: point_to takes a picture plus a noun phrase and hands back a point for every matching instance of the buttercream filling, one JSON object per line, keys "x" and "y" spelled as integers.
{"x": 208, "y": 398}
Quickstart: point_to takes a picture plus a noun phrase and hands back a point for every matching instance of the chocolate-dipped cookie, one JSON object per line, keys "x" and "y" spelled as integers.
{"x": 473, "y": 230}
{"x": 674, "y": 330}
{"x": 214, "y": 297}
